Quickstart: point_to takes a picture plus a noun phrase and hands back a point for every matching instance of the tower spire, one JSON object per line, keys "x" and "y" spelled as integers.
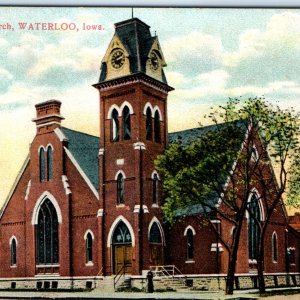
{"x": 131, "y": 12}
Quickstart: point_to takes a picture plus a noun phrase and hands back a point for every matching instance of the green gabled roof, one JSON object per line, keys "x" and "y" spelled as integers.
{"x": 188, "y": 137}
{"x": 84, "y": 148}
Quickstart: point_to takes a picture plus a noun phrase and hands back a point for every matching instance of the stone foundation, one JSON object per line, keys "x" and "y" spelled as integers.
{"x": 178, "y": 283}
{"x": 217, "y": 282}
{"x": 49, "y": 283}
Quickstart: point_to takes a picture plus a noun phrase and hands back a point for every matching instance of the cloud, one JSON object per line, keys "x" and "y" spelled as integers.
{"x": 3, "y": 43}
{"x": 267, "y": 55}
{"x": 193, "y": 53}
{"x": 214, "y": 80}
{"x": 176, "y": 79}
{"x": 6, "y": 79}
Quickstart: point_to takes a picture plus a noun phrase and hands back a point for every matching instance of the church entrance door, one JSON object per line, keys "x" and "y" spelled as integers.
{"x": 122, "y": 259}
{"x": 156, "y": 245}
{"x": 122, "y": 249}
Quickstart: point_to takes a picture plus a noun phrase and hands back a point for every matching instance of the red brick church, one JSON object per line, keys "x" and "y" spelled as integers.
{"x": 84, "y": 207}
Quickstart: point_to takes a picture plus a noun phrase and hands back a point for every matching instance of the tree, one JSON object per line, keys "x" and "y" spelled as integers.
{"x": 219, "y": 170}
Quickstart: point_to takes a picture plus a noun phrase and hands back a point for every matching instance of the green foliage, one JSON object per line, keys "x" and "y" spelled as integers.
{"x": 196, "y": 174}
{"x": 293, "y": 198}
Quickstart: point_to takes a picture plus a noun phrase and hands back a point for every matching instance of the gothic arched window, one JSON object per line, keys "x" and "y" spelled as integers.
{"x": 274, "y": 247}
{"x": 121, "y": 234}
{"x": 156, "y": 127}
{"x": 47, "y": 234}
{"x": 155, "y": 189}
{"x": 126, "y": 123}
{"x": 148, "y": 124}
{"x": 190, "y": 244}
{"x": 89, "y": 248}
{"x": 42, "y": 164}
{"x": 253, "y": 226}
{"x": 13, "y": 252}
{"x": 155, "y": 235}
{"x": 115, "y": 125}
{"x": 120, "y": 189}
{"x": 49, "y": 162}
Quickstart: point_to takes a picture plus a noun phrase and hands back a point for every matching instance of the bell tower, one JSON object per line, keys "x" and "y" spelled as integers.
{"x": 133, "y": 128}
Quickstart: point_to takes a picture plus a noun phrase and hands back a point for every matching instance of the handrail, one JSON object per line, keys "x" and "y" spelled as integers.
{"x": 166, "y": 270}
{"x": 100, "y": 273}
{"x": 118, "y": 276}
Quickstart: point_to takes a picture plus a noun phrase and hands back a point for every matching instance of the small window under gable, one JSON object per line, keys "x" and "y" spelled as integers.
{"x": 42, "y": 164}
{"x": 13, "y": 252}
{"x": 126, "y": 123}
{"x": 190, "y": 244}
{"x": 49, "y": 163}
{"x": 89, "y": 248}
{"x": 274, "y": 247}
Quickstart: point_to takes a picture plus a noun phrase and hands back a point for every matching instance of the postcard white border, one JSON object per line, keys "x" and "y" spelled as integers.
{"x": 156, "y": 3}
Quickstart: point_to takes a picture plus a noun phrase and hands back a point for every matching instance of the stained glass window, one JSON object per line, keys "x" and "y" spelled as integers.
{"x": 47, "y": 234}
{"x": 121, "y": 234}
{"x": 253, "y": 226}
{"x": 155, "y": 235}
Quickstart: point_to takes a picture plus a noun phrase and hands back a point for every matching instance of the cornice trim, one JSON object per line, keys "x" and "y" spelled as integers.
{"x": 133, "y": 78}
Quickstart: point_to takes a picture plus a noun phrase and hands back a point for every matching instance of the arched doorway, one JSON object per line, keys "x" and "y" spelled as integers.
{"x": 122, "y": 249}
{"x": 156, "y": 245}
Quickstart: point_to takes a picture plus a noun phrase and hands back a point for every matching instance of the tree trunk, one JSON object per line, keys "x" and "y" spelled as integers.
{"x": 230, "y": 275}
{"x": 261, "y": 260}
{"x": 260, "y": 269}
{"x": 232, "y": 259}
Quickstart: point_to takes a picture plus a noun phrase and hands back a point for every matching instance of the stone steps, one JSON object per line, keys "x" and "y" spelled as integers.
{"x": 107, "y": 283}
{"x": 172, "y": 283}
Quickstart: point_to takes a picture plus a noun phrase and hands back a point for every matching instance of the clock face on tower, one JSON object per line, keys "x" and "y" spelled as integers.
{"x": 154, "y": 62}
{"x": 117, "y": 58}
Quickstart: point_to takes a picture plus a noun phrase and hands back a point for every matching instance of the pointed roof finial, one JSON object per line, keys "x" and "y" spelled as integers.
{"x": 131, "y": 12}
{"x": 155, "y": 33}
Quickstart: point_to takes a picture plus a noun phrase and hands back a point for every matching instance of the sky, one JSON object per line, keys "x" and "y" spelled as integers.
{"x": 211, "y": 54}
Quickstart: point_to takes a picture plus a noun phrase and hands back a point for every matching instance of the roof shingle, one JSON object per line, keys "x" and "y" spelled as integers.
{"x": 85, "y": 148}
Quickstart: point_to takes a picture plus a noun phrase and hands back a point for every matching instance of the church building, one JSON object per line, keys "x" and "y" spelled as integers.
{"x": 84, "y": 208}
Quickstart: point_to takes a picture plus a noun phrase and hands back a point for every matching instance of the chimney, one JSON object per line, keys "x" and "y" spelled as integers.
{"x": 47, "y": 116}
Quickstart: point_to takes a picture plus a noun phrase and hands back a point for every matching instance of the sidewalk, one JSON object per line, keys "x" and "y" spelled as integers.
{"x": 97, "y": 294}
